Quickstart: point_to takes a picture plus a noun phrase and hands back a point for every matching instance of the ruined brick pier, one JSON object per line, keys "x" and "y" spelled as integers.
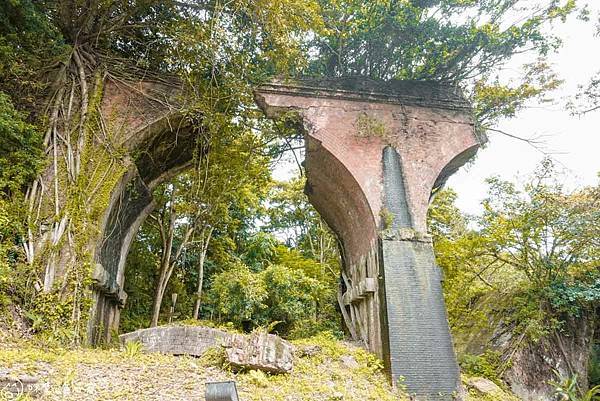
{"x": 375, "y": 154}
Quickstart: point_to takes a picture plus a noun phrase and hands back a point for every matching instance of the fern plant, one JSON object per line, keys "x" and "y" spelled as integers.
{"x": 567, "y": 389}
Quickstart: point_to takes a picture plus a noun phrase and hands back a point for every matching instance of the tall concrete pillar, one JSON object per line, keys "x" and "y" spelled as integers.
{"x": 375, "y": 153}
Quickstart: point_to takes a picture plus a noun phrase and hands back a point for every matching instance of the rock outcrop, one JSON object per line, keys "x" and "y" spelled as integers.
{"x": 533, "y": 365}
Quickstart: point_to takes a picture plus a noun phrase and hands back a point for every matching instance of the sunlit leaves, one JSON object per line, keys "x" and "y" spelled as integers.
{"x": 279, "y": 295}
{"x": 528, "y": 260}
{"x": 21, "y": 154}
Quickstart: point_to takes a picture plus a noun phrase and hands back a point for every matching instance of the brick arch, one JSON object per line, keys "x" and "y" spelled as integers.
{"x": 452, "y": 167}
{"x": 155, "y": 161}
{"x": 158, "y": 141}
{"x": 398, "y": 141}
{"x": 339, "y": 199}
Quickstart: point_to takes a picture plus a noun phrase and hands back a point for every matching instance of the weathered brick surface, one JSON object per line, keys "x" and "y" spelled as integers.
{"x": 177, "y": 340}
{"x": 428, "y": 134}
{"x": 375, "y": 152}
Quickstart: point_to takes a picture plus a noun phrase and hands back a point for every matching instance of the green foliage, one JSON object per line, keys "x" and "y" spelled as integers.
{"x": 546, "y": 235}
{"x": 530, "y": 260}
{"x": 568, "y": 389}
{"x": 569, "y": 296}
{"x": 51, "y": 51}
{"x": 28, "y": 41}
{"x": 292, "y": 218}
{"x": 252, "y": 280}
{"x": 239, "y": 295}
{"x": 311, "y": 247}
{"x": 323, "y": 291}
{"x": 292, "y": 296}
{"x": 368, "y": 127}
{"x": 51, "y": 318}
{"x": 387, "y": 217}
{"x": 283, "y": 297}
{"x": 21, "y": 159}
{"x": 202, "y": 213}
{"x": 132, "y": 348}
{"x": 488, "y": 365}
{"x": 140, "y": 280}
{"x": 21, "y": 151}
{"x": 464, "y": 42}
{"x": 259, "y": 250}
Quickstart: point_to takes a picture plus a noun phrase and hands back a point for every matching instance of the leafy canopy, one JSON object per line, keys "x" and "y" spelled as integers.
{"x": 531, "y": 259}
{"x": 464, "y": 42}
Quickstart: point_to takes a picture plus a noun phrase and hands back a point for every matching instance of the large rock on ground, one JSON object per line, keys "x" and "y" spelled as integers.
{"x": 262, "y": 351}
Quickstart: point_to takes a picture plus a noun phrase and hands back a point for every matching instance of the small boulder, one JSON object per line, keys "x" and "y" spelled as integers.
{"x": 177, "y": 340}
{"x": 259, "y": 351}
{"x": 483, "y": 385}
{"x": 349, "y": 362}
{"x": 308, "y": 351}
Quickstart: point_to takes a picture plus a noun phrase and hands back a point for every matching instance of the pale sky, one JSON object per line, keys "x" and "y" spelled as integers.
{"x": 573, "y": 141}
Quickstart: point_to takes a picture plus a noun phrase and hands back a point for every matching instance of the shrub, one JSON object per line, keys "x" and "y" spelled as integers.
{"x": 238, "y": 295}
{"x": 486, "y": 365}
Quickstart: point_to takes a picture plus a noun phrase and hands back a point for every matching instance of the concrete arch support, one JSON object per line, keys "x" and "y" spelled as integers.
{"x": 376, "y": 151}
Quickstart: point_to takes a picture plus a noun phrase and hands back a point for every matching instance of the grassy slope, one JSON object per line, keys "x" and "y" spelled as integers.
{"x": 95, "y": 374}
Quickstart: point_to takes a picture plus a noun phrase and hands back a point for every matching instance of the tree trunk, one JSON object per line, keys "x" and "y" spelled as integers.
{"x": 157, "y": 301}
{"x": 199, "y": 289}
{"x": 165, "y": 260}
{"x": 169, "y": 260}
{"x": 201, "y": 273}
